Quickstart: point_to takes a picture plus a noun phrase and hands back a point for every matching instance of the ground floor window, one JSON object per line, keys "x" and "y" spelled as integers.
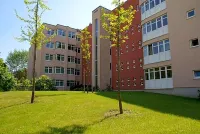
{"x": 59, "y": 83}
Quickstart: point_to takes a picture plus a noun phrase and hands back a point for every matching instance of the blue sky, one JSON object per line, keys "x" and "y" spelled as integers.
{"x": 73, "y": 13}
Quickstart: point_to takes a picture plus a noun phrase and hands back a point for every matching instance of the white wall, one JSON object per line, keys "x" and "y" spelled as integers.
{"x": 154, "y": 10}
{"x": 161, "y": 56}
{"x": 156, "y": 33}
{"x": 159, "y": 84}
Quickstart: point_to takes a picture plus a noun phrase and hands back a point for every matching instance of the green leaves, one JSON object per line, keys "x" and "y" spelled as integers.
{"x": 116, "y": 21}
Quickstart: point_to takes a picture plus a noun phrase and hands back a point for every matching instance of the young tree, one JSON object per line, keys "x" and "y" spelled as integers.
{"x": 17, "y": 60}
{"x": 85, "y": 35}
{"x": 33, "y": 32}
{"x": 116, "y": 24}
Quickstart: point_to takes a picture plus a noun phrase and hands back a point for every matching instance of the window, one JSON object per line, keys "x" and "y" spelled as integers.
{"x": 145, "y": 51}
{"x": 147, "y": 74}
{"x": 147, "y": 5}
{"x": 167, "y": 47}
{"x": 71, "y": 59}
{"x": 194, "y": 42}
{"x": 73, "y": 35}
{"x": 157, "y": 73}
{"x": 144, "y": 29}
{"x": 148, "y": 27}
{"x": 79, "y": 50}
{"x": 159, "y": 22}
{"x": 70, "y": 71}
{"x": 61, "y": 32}
{"x": 190, "y": 13}
{"x": 165, "y": 21}
{"x": 197, "y": 74}
{"x": 77, "y": 72}
{"x": 152, "y": 3}
{"x": 162, "y": 1}
{"x": 155, "y": 48}
{"x": 60, "y": 45}
{"x": 150, "y": 50}
{"x": 161, "y": 46}
{"x": 50, "y": 45}
{"x": 50, "y": 32}
{"x": 78, "y": 38}
{"x": 157, "y": 2}
{"x": 48, "y": 57}
{"x": 59, "y": 83}
{"x": 71, "y": 47}
{"x": 142, "y": 8}
{"x": 60, "y": 57}
{"x": 48, "y": 70}
{"x": 163, "y": 74}
{"x": 151, "y": 74}
{"x": 59, "y": 70}
{"x": 153, "y": 24}
{"x": 77, "y": 61}
{"x": 169, "y": 72}
{"x": 70, "y": 83}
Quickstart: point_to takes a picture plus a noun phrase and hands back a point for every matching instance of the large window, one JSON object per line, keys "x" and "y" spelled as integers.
{"x": 61, "y": 32}
{"x": 48, "y": 70}
{"x": 59, "y": 70}
{"x": 50, "y": 32}
{"x": 157, "y": 47}
{"x": 158, "y": 73}
{"x": 71, "y": 59}
{"x": 48, "y": 57}
{"x": 60, "y": 45}
{"x": 59, "y": 83}
{"x": 71, "y": 83}
{"x": 155, "y": 24}
{"x": 60, "y": 57}
{"x": 149, "y": 4}
{"x": 70, "y": 71}
{"x": 50, "y": 45}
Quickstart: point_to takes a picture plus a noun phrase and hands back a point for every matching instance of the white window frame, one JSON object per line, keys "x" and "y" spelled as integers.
{"x": 48, "y": 68}
{"x": 60, "y": 68}
{"x": 59, "y": 81}
{"x": 61, "y": 56}
{"x": 49, "y": 57}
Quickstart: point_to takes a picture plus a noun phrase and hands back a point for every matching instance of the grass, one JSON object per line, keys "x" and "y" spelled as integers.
{"x": 76, "y": 112}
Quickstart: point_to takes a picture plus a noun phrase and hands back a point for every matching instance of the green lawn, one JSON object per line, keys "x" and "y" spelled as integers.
{"x": 76, "y": 112}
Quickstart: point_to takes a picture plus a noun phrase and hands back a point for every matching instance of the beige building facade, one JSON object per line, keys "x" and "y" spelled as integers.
{"x": 171, "y": 46}
{"x": 60, "y": 59}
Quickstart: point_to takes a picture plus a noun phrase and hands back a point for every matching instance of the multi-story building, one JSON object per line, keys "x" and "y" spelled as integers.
{"x": 171, "y": 46}
{"x": 104, "y": 58}
{"x": 87, "y": 78}
{"x": 60, "y": 59}
{"x": 131, "y": 73}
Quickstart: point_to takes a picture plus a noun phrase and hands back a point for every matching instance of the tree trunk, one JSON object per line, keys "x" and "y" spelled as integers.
{"x": 119, "y": 64}
{"x": 84, "y": 80}
{"x": 35, "y": 46}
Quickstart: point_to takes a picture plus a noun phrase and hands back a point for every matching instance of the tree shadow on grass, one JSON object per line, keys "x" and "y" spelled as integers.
{"x": 75, "y": 129}
{"x": 175, "y": 105}
{"x": 50, "y": 95}
{"x": 18, "y": 104}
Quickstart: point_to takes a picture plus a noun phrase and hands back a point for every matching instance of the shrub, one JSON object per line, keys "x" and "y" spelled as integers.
{"x": 23, "y": 84}
{"x": 7, "y": 81}
{"x": 108, "y": 88}
{"x": 44, "y": 83}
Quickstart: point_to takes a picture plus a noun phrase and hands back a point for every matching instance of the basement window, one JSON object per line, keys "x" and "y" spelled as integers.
{"x": 194, "y": 42}
{"x": 197, "y": 74}
{"x": 190, "y": 14}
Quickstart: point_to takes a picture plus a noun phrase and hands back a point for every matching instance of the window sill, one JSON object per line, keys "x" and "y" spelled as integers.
{"x": 190, "y": 17}
{"x": 194, "y": 46}
{"x": 198, "y": 78}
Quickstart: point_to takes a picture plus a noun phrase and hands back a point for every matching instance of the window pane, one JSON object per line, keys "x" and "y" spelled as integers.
{"x": 50, "y": 70}
{"x": 150, "y": 49}
{"x": 155, "y": 48}
{"x": 152, "y": 3}
{"x": 197, "y": 74}
{"x": 144, "y": 29}
{"x": 191, "y": 13}
{"x": 169, "y": 73}
{"x": 148, "y": 27}
{"x": 51, "y": 57}
{"x": 62, "y": 70}
{"x": 161, "y": 46}
{"x": 68, "y": 71}
{"x": 165, "y": 21}
{"x": 151, "y": 74}
{"x": 46, "y": 70}
{"x": 167, "y": 46}
{"x": 147, "y": 76}
{"x": 157, "y": 2}
{"x": 159, "y": 22}
{"x": 147, "y": 5}
{"x": 157, "y": 75}
{"x": 142, "y": 8}
{"x": 145, "y": 51}
{"x": 163, "y": 75}
{"x": 153, "y": 24}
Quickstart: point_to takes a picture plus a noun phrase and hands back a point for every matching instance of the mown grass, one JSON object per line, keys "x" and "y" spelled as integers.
{"x": 77, "y": 112}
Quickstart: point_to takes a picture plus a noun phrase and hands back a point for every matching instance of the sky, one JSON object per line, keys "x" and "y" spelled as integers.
{"x": 73, "y": 13}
